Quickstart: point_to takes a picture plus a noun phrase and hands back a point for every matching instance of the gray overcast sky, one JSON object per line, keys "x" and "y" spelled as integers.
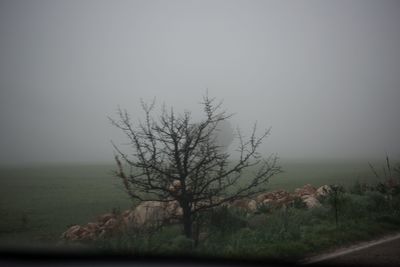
{"x": 324, "y": 74}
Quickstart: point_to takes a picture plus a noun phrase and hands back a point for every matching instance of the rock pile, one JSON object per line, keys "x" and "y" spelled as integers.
{"x": 156, "y": 212}
{"x": 306, "y": 190}
{"x": 308, "y": 195}
{"x": 244, "y": 204}
{"x": 159, "y": 212}
{"x": 277, "y": 198}
{"x": 105, "y": 224}
{"x": 145, "y": 214}
{"x": 323, "y": 191}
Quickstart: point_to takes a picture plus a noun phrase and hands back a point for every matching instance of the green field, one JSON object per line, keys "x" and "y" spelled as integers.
{"x": 37, "y": 203}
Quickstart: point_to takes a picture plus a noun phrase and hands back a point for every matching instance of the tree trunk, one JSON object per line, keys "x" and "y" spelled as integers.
{"x": 187, "y": 221}
{"x": 196, "y": 232}
{"x": 336, "y": 209}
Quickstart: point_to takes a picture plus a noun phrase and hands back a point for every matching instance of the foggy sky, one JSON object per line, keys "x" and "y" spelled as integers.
{"x": 325, "y": 75}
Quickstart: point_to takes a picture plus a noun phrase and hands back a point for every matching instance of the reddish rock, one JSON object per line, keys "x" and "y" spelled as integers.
{"x": 311, "y": 201}
{"x": 276, "y": 198}
{"x": 323, "y": 191}
{"x": 305, "y": 190}
{"x": 105, "y": 217}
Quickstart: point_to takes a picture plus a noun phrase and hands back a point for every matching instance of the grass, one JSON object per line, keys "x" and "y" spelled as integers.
{"x": 38, "y": 203}
{"x": 284, "y": 236}
{"x": 288, "y": 235}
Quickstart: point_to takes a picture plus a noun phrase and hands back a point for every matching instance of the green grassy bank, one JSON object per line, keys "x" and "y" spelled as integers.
{"x": 37, "y": 203}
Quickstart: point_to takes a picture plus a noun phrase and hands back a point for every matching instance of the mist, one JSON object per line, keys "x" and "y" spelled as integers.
{"x": 324, "y": 75}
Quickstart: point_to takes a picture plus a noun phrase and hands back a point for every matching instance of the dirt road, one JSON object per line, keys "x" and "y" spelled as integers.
{"x": 384, "y": 252}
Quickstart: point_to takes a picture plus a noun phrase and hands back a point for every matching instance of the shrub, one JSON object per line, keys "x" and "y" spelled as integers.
{"x": 358, "y": 188}
{"x": 265, "y": 208}
{"x": 396, "y": 190}
{"x": 321, "y": 213}
{"x": 376, "y": 201}
{"x": 336, "y": 200}
{"x": 396, "y": 204}
{"x": 298, "y": 203}
{"x": 131, "y": 241}
{"x": 283, "y": 224}
{"x": 388, "y": 219}
{"x": 224, "y": 220}
{"x": 181, "y": 244}
{"x": 257, "y": 221}
{"x": 355, "y": 206}
{"x": 289, "y": 251}
{"x": 268, "y": 207}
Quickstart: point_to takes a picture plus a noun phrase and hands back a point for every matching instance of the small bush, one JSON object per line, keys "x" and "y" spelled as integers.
{"x": 388, "y": 219}
{"x": 396, "y": 204}
{"x": 257, "y": 221}
{"x": 265, "y": 208}
{"x": 289, "y": 251}
{"x": 181, "y": 244}
{"x": 356, "y": 206}
{"x": 396, "y": 190}
{"x": 320, "y": 213}
{"x": 298, "y": 203}
{"x": 336, "y": 200}
{"x": 281, "y": 225}
{"x": 358, "y": 188}
{"x": 376, "y": 201}
{"x": 130, "y": 242}
{"x": 224, "y": 220}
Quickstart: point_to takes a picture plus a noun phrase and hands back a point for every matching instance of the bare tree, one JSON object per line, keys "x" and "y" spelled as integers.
{"x": 171, "y": 149}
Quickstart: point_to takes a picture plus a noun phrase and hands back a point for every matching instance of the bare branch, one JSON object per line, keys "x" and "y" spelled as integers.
{"x": 172, "y": 148}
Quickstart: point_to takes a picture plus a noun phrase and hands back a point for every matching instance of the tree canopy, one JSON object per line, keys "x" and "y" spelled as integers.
{"x": 171, "y": 149}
